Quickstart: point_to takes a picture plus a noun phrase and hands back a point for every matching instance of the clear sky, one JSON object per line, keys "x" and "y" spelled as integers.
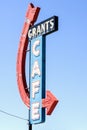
{"x": 66, "y": 56}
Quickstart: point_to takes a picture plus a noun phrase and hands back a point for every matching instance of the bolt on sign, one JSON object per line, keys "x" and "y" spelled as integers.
{"x": 39, "y": 101}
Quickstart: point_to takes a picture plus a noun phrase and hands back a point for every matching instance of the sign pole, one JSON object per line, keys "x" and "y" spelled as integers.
{"x": 30, "y": 126}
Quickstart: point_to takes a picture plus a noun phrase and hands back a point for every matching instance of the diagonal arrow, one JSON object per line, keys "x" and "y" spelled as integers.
{"x": 49, "y": 102}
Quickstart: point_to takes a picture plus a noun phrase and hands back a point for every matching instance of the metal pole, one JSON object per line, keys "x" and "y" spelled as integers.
{"x": 30, "y": 126}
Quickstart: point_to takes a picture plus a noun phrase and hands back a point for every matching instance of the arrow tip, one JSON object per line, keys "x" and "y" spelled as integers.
{"x": 53, "y": 102}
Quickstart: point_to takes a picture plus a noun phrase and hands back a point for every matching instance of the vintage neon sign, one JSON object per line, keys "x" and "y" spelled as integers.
{"x": 37, "y": 83}
{"x": 37, "y": 79}
{"x": 37, "y": 36}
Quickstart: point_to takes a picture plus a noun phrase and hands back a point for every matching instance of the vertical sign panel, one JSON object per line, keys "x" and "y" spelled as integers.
{"x": 37, "y": 79}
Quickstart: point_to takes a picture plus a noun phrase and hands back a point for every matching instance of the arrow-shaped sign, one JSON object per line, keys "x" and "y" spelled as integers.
{"x": 31, "y": 17}
{"x": 50, "y": 101}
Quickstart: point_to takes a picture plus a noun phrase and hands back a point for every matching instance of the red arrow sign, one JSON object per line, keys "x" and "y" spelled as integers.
{"x": 31, "y": 16}
{"x": 50, "y": 101}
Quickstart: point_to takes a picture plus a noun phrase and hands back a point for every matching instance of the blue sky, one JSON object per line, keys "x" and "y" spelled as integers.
{"x": 66, "y": 57}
